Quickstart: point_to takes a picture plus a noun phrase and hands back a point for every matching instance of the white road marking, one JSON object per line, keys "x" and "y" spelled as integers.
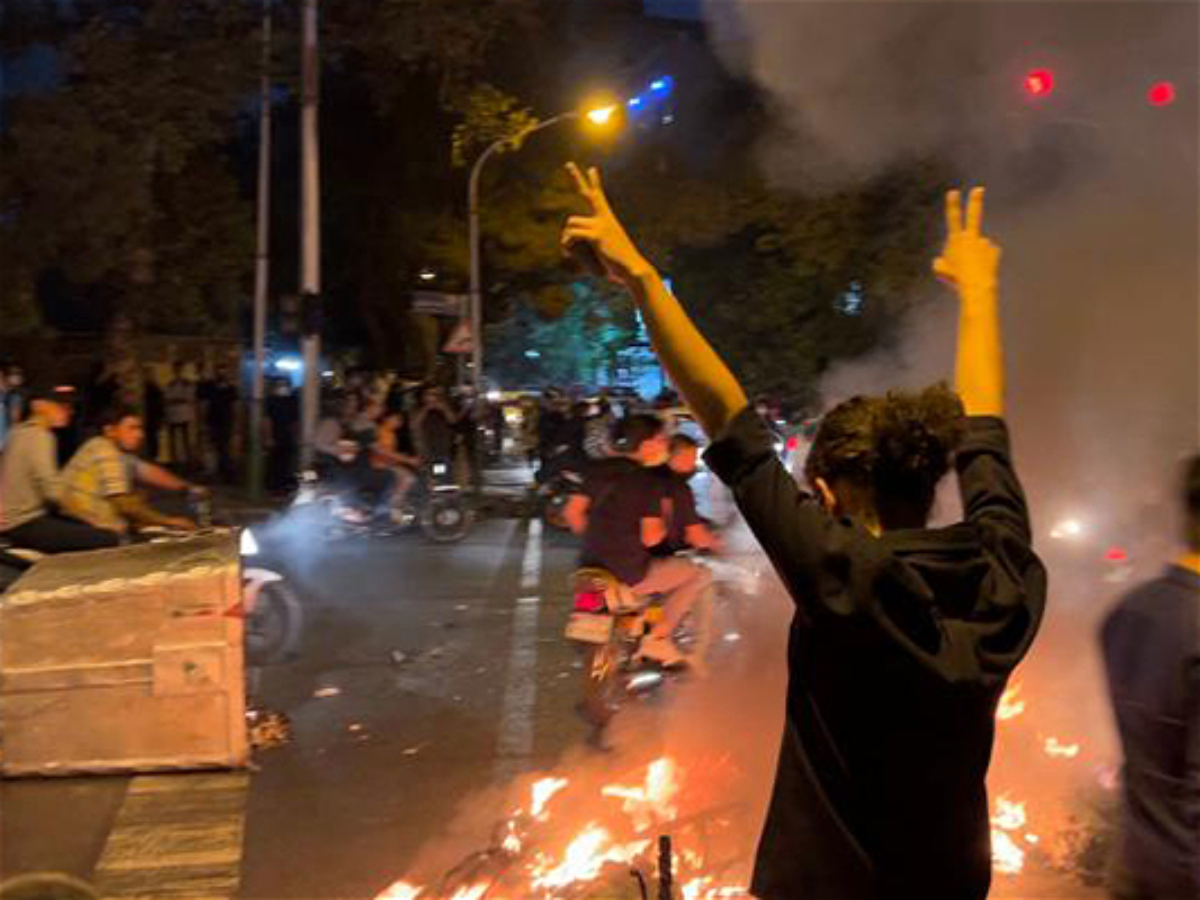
{"x": 515, "y": 741}
{"x": 531, "y": 565}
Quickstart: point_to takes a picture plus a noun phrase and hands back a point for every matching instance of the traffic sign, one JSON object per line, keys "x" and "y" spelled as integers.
{"x": 460, "y": 339}
{"x": 435, "y": 303}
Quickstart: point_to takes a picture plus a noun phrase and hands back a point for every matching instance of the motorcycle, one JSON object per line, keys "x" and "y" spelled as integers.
{"x": 435, "y": 503}
{"x": 607, "y": 623}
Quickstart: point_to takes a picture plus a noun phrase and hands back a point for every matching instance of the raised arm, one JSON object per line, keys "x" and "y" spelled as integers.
{"x": 707, "y": 386}
{"x": 969, "y": 264}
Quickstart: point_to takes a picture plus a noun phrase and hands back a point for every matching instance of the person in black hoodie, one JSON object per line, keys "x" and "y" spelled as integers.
{"x": 904, "y": 636}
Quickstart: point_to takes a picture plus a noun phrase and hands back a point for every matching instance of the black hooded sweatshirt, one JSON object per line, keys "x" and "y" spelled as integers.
{"x": 899, "y": 651}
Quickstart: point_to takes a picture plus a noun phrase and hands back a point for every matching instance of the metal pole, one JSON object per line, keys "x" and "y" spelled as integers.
{"x": 262, "y": 261}
{"x": 476, "y": 293}
{"x": 476, "y": 290}
{"x": 310, "y": 227}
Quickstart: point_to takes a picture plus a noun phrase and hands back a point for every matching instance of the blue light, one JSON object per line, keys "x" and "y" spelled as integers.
{"x": 289, "y": 364}
{"x": 532, "y": 354}
{"x": 636, "y": 103}
{"x": 662, "y": 85}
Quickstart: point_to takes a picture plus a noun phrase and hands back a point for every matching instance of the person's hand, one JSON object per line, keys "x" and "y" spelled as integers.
{"x": 621, "y": 259}
{"x": 969, "y": 261}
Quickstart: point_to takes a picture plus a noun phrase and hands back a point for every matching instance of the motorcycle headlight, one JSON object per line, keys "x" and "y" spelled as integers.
{"x": 248, "y": 544}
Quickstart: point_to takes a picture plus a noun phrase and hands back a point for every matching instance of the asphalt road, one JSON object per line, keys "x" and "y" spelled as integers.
{"x": 431, "y": 680}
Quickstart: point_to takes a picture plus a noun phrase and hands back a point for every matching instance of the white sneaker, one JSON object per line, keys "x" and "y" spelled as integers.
{"x": 662, "y": 651}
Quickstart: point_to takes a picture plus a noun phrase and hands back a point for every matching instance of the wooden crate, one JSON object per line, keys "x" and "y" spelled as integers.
{"x": 124, "y": 660}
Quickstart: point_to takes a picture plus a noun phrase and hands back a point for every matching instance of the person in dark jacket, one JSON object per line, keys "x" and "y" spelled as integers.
{"x": 1151, "y": 646}
{"x": 904, "y": 636}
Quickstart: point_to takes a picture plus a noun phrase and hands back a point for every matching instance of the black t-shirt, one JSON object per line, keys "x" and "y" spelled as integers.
{"x": 622, "y": 493}
{"x": 899, "y": 651}
{"x": 679, "y": 508}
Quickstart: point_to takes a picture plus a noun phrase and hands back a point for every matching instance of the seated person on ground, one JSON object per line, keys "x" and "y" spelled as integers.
{"x": 31, "y": 485}
{"x": 99, "y": 483}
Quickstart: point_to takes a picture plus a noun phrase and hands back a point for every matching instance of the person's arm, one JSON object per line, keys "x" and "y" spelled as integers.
{"x": 135, "y": 509}
{"x": 969, "y": 264}
{"x": 576, "y": 512}
{"x": 43, "y": 464}
{"x": 654, "y": 531}
{"x": 706, "y": 384}
{"x": 156, "y": 476}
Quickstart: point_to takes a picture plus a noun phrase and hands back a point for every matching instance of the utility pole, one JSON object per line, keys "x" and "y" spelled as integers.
{"x": 310, "y": 232}
{"x": 262, "y": 261}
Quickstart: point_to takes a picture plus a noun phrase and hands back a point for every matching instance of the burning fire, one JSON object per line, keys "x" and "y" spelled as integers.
{"x": 1011, "y": 704}
{"x": 1009, "y": 816}
{"x": 585, "y": 858}
{"x": 542, "y": 792}
{"x": 1054, "y": 747}
{"x": 653, "y": 801}
{"x": 528, "y": 866}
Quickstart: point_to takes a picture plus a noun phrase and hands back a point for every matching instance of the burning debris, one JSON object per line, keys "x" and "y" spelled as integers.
{"x": 528, "y": 857}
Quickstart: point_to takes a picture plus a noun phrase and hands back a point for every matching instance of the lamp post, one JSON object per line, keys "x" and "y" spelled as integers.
{"x": 598, "y": 116}
{"x": 262, "y": 260}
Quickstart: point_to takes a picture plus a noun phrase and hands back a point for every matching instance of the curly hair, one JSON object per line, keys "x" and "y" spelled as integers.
{"x": 887, "y": 454}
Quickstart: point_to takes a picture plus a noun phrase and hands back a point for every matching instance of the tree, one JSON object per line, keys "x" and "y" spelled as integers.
{"x": 118, "y": 178}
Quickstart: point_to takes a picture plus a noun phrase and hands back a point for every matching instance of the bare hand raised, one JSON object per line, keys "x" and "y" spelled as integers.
{"x": 616, "y": 251}
{"x": 969, "y": 260}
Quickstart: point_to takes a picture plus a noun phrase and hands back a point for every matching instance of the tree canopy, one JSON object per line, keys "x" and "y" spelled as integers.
{"x": 127, "y": 184}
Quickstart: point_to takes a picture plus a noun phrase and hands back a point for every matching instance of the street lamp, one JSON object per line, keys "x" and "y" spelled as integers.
{"x": 598, "y": 116}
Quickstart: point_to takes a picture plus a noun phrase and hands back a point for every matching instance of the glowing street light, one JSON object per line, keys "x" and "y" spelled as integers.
{"x": 601, "y": 115}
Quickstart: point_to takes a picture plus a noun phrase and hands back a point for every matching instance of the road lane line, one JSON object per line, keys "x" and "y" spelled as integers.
{"x": 176, "y": 835}
{"x": 515, "y": 740}
{"x": 531, "y": 565}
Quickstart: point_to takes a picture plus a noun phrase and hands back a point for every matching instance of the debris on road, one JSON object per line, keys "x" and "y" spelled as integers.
{"x": 399, "y": 657}
{"x": 327, "y": 692}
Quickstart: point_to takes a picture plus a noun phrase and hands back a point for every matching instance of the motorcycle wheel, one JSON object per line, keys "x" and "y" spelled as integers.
{"x": 273, "y": 628}
{"x": 446, "y": 520}
{"x": 601, "y": 683}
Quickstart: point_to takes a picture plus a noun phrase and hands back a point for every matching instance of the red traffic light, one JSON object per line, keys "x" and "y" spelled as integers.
{"x": 1039, "y": 82}
{"x": 1116, "y": 554}
{"x": 1161, "y": 93}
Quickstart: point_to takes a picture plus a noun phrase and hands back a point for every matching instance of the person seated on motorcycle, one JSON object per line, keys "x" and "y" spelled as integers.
{"x": 620, "y": 516}
{"x": 393, "y": 451}
{"x": 334, "y": 449}
{"x": 434, "y": 425}
{"x": 31, "y": 485}
{"x": 343, "y": 444}
{"x": 686, "y": 528}
{"x": 99, "y": 481}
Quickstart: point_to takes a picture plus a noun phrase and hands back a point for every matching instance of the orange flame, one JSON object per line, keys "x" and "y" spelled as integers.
{"x": 585, "y": 858}
{"x": 401, "y": 890}
{"x": 653, "y": 801}
{"x": 1054, "y": 747}
{"x": 542, "y": 793}
{"x": 1011, "y": 704}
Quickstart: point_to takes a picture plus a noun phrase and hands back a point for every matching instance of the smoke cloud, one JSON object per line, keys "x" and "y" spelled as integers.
{"x": 1092, "y": 193}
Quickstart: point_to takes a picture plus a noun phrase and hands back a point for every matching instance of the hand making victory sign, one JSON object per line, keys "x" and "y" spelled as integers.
{"x": 969, "y": 260}
{"x": 703, "y": 380}
{"x": 969, "y": 264}
{"x": 621, "y": 259}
